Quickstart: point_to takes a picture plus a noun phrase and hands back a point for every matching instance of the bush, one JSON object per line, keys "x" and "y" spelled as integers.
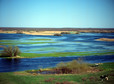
{"x": 77, "y": 32}
{"x": 10, "y": 51}
{"x": 75, "y": 66}
{"x": 57, "y": 34}
{"x": 65, "y": 32}
{"x": 19, "y": 32}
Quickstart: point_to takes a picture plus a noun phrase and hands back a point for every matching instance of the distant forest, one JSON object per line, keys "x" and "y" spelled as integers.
{"x": 86, "y": 30}
{"x": 52, "y": 29}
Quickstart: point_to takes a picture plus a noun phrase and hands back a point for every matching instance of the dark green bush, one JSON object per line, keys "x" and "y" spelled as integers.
{"x": 65, "y": 32}
{"x": 57, "y": 34}
{"x": 10, "y": 51}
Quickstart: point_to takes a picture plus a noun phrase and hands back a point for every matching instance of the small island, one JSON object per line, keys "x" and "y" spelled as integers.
{"x": 105, "y": 39}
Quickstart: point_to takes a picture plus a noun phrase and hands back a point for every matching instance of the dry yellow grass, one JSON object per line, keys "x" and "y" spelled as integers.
{"x": 105, "y": 39}
{"x": 35, "y": 33}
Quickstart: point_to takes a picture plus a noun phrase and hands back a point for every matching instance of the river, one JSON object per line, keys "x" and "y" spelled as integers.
{"x": 66, "y": 43}
{"x": 11, "y": 65}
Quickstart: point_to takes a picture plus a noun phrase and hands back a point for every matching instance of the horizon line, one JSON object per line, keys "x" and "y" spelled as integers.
{"x": 60, "y": 27}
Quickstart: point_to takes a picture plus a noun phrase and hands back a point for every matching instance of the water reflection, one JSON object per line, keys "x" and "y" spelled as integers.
{"x": 8, "y": 65}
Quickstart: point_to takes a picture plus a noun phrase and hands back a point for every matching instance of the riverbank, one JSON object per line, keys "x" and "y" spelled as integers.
{"x": 88, "y": 78}
{"x": 63, "y": 54}
{"x": 35, "y": 32}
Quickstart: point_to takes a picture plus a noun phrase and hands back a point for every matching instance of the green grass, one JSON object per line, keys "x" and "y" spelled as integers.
{"x": 63, "y": 54}
{"x": 107, "y": 66}
{"x": 17, "y": 43}
{"x": 8, "y": 41}
{"x": 25, "y": 78}
{"x": 40, "y": 39}
{"x": 41, "y": 49}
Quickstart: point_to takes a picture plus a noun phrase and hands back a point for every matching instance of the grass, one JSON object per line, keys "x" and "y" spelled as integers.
{"x": 17, "y": 43}
{"x": 91, "y": 78}
{"x": 63, "y": 54}
{"x": 41, "y": 49}
{"x": 7, "y": 40}
{"x": 40, "y": 39}
{"x": 107, "y": 66}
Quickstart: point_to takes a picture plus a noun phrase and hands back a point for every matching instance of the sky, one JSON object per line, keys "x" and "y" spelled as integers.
{"x": 57, "y": 13}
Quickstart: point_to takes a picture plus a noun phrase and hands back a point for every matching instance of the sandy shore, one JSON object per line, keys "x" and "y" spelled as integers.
{"x": 43, "y": 32}
{"x": 35, "y": 33}
{"x": 105, "y": 39}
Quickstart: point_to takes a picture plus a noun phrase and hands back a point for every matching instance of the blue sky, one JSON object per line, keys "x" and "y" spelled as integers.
{"x": 57, "y": 13}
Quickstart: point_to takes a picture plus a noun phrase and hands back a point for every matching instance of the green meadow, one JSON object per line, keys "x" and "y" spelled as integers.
{"x": 63, "y": 54}
{"x": 18, "y": 43}
{"x": 40, "y": 39}
{"x": 23, "y": 77}
{"x": 29, "y": 41}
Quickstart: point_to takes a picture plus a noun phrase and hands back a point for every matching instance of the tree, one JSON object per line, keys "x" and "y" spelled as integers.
{"x": 16, "y": 51}
{"x": 11, "y": 51}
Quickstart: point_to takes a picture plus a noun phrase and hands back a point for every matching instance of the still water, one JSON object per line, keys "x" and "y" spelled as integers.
{"x": 10, "y": 65}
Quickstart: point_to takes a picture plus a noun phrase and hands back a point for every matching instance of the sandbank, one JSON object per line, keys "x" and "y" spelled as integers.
{"x": 34, "y": 32}
{"x": 105, "y": 39}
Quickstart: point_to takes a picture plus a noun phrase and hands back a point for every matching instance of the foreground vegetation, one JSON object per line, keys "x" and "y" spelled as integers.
{"x": 87, "y": 78}
{"x": 72, "y": 67}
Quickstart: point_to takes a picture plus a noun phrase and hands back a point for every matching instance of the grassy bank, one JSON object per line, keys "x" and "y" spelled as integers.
{"x": 91, "y": 78}
{"x": 29, "y": 41}
{"x": 18, "y": 43}
{"x": 63, "y": 54}
{"x": 40, "y": 39}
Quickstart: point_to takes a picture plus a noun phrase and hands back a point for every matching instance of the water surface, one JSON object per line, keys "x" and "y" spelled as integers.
{"x": 66, "y": 43}
{"x": 10, "y": 65}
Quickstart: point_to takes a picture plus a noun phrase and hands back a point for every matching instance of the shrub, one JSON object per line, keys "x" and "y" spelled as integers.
{"x": 16, "y": 51}
{"x": 65, "y": 32}
{"x": 10, "y": 51}
{"x": 75, "y": 66}
{"x": 57, "y": 34}
{"x": 19, "y": 32}
{"x": 77, "y": 32}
